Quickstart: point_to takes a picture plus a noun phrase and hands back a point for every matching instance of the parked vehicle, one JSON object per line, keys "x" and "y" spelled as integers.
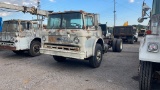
{"x": 105, "y": 30}
{"x": 126, "y": 33}
{"x": 77, "y": 34}
{"x": 149, "y": 51}
{"x": 20, "y": 36}
{"x": 142, "y": 32}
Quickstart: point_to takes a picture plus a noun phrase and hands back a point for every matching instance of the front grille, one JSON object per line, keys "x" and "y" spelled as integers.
{"x": 62, "y": 47}
{"x": 6, "y": 43}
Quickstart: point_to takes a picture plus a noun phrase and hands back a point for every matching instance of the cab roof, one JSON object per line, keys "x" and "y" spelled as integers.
{"x": 19, "y": 20}
{"x": 80, "y": 11}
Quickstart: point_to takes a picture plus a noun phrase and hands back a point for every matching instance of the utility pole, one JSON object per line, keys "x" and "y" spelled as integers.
{"x": 38, "y": 7}
{"x": 114, "y": 12}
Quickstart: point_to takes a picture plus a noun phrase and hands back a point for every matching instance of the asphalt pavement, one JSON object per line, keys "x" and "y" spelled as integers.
{"x": 118, "y": 71}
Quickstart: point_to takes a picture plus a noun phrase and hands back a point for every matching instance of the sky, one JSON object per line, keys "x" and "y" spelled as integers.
{"x": 126, "y": 10}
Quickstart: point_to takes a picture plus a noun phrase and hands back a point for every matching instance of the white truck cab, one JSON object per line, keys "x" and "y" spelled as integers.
{"x": 149, "y": 51}
{"x": 76, "y": 34}
{"x": 20, "y": 36}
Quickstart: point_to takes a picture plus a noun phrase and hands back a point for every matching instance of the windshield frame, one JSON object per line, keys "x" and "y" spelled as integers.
{"x": 7, "y": 27}
{"x": 79, "y": 18}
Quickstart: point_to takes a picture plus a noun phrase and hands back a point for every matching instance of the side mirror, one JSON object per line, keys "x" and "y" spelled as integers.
{"x": 141, "y": 19}
{"x": 145, "y": 8}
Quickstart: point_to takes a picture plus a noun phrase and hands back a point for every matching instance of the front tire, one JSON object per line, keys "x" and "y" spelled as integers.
{"x": 35, "y": 48}
{"x": 95, "y": 61}
{"x": 146, "y": 73}
{"x": 59, "y": 58}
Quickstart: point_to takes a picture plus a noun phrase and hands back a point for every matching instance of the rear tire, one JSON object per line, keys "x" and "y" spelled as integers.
{"x": 35, "y": 48}
{"x": 114, "y": 42}
{"x": 59, "y": 58}
{"x": 146, "y": 73}
{"x": 95, "y": 61}
{"x": 132, "y": 41}
{"x": 119, "y": 45}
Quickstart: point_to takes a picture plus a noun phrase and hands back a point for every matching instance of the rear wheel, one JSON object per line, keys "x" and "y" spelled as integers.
{"x": 35, "y": 48}
{"x": 19, "y": 52}
{"x": 132, "y": 41}
{"x": 95, "y": 61}
{"x": 119, "y": 45}
{"x": 146, "y": 73}
{"x": 59, "y": 58}
{"x": 114, "y": 42}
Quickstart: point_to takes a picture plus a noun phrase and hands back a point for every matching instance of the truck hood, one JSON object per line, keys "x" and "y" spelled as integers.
{"x": 66, "y": 37}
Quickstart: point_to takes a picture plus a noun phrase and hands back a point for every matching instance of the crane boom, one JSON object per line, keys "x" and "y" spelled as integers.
{"x": 31, "y": 10}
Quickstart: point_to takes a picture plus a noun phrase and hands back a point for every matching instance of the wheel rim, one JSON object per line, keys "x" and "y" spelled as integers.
{"x": 99, "y": 56}
{"x": 36, "y": 48}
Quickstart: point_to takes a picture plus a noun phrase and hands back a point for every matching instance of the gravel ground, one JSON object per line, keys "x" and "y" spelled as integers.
{"x": 118, "y": 71}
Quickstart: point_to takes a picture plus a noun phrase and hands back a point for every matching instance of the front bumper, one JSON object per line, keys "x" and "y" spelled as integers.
{"x": 149, "y": 56}
{"x": 64, "y": 53}
{"x": 7, "y": 46}
{"x": 144, "y": 55}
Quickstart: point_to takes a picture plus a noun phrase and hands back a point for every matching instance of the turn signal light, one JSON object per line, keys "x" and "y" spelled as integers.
{"x": 148, "y": 32}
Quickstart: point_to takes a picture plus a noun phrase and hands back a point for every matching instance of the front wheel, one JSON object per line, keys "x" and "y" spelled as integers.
{"x": 146, "y": 73}
{"x": 95, "y": 61}
{"x": 34, "y": 48}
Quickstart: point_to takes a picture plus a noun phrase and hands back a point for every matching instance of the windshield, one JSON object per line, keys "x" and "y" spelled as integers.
{"x": 156, "y": 7}
{"x": 65, "y": 21}
{"x": 25, "y": 25}
{"x": 10, "y": 26}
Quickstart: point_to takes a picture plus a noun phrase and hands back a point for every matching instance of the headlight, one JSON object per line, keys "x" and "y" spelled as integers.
{"x": 43, "y": 38}
{"x": 153, "y": 47}
{"x": 76, "y": 40}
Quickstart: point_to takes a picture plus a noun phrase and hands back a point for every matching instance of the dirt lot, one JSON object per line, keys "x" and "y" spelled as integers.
{"x": 119, "y": 71}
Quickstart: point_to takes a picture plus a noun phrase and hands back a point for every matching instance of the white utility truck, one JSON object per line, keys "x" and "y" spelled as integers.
{"x": 78, "y": 35}
{"x": 149, "y": 51}
{"x": 22, "y": 35}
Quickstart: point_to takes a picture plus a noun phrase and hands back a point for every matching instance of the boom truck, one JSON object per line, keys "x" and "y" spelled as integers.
{"x": 78, "y": 35}
{"x": 149, "y": 51}
{"x": 22, "y": 35}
